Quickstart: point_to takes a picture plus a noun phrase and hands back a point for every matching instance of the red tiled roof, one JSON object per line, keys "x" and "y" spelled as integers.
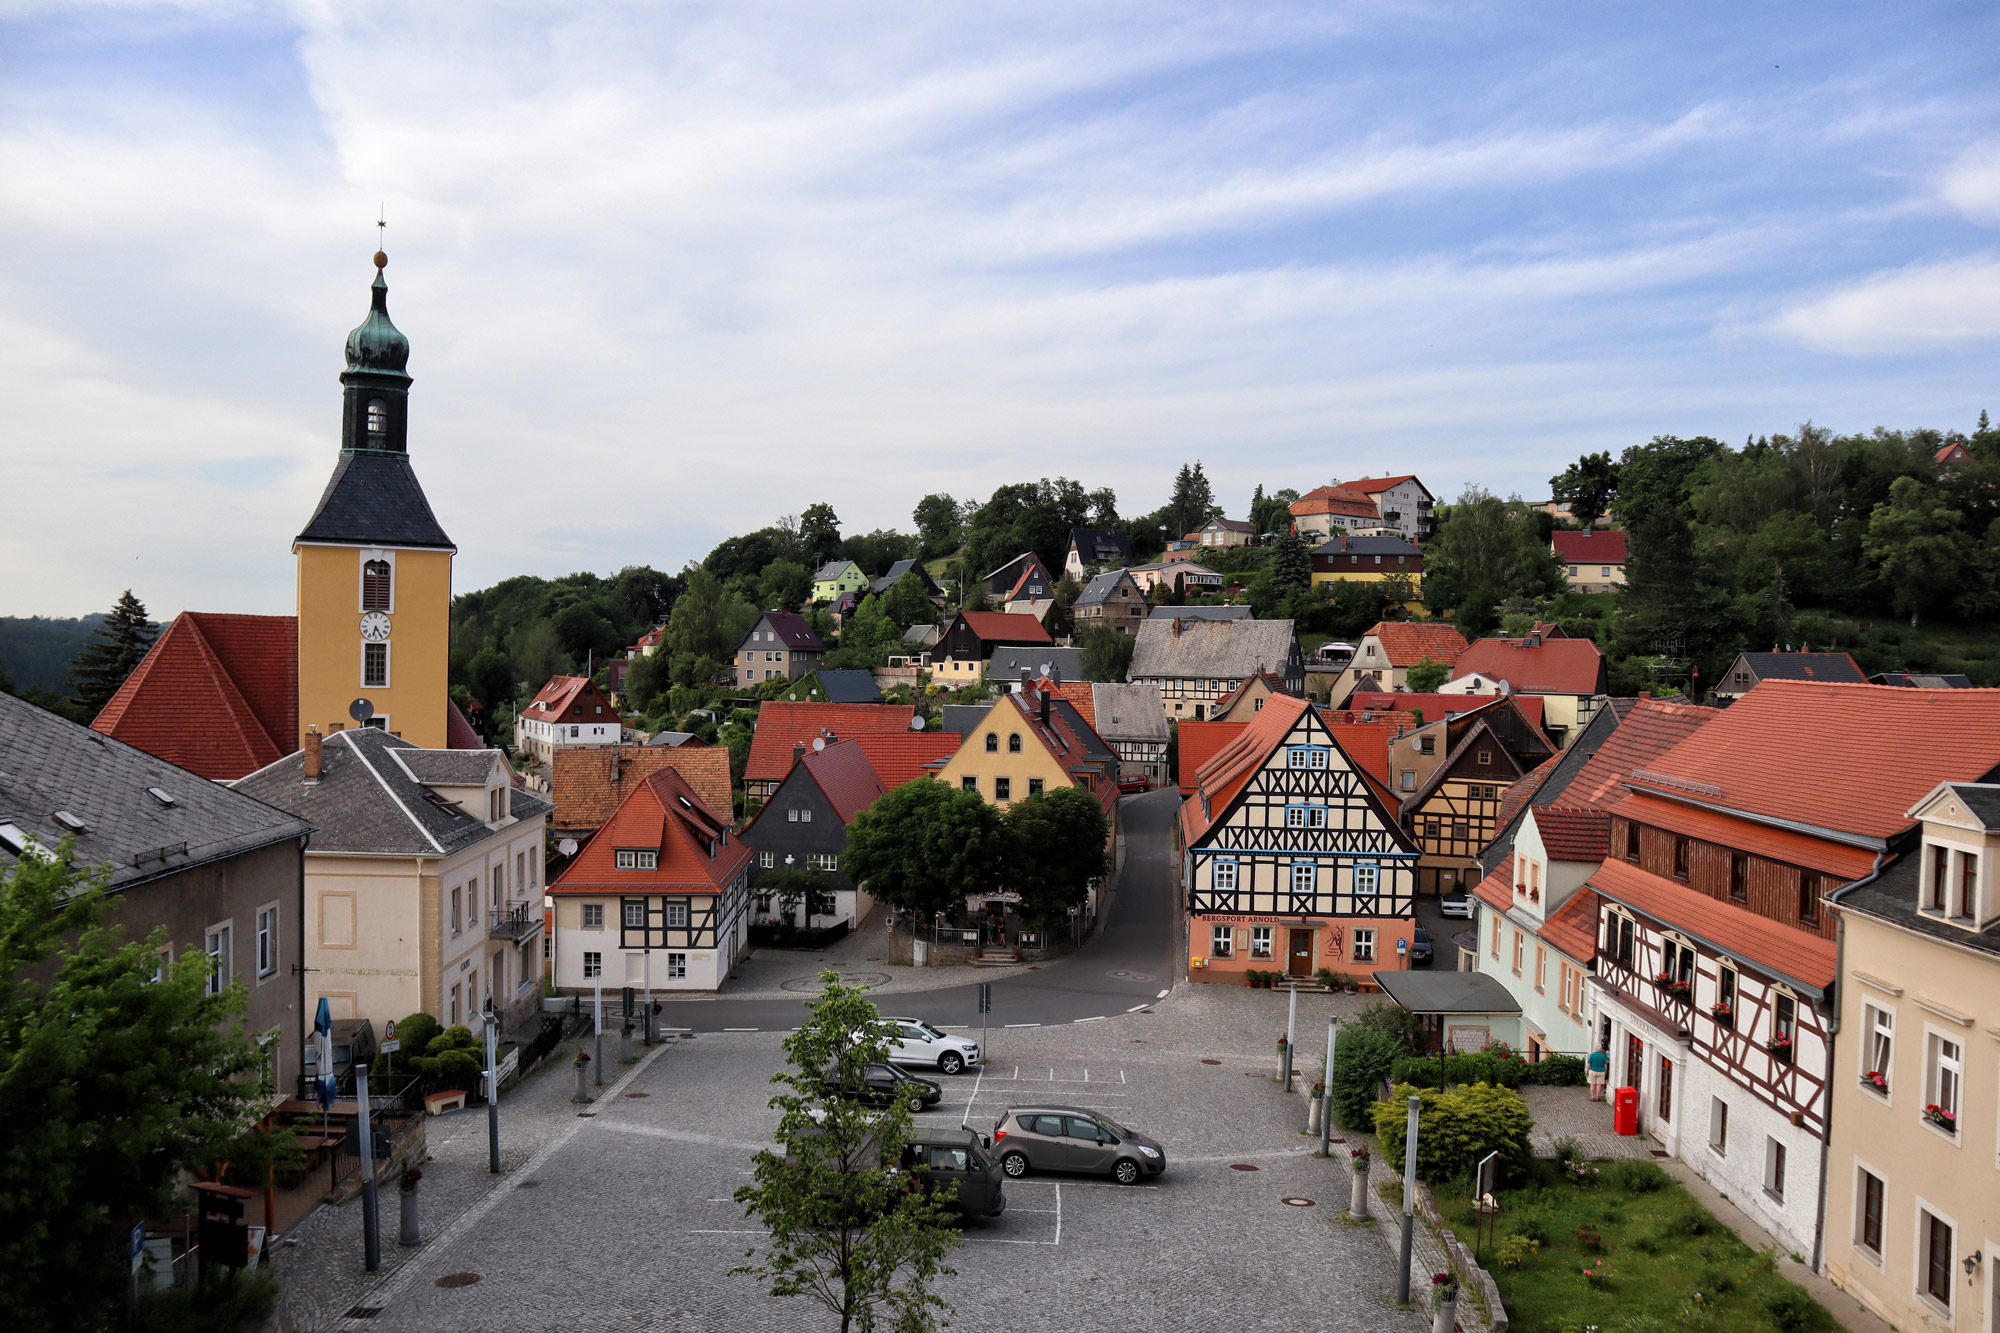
{"x": 900, "y": 757}
{"x": 1367, "y": 744}
{"x": 217, "y": 695}
{"x": 1745, "y": 835}
{"x": 1198, "y": 742}
{"x": 1520, "y": 793}
{"x": 561, "y": 693}
{"x": 1847, "y": 757}
{"x": 586, "y": 797}
{"x": 781, "y": 725}
{"x": 1230, "y": 767}
{"x": 1394, "y": 717}
{"x": 1079, "y": 695}
{"x": 1497, "y": 889}
{"x": 1573, "y": 929}
{"x": 1553, "y": 666}
{"x": 843, "y": 772}
{"x": 1376, "y": 485}
{"x": 1408, "y": 642}
{"x": 1573, "y": 835}
{"x": 458, "y": 733}
{"x": 1334, "y": 500}
{"x": 663, "y": 812}
{"x": 1589, "y": 548}
{"x": 1651, "y": 729}
{"x": 1006, "y": 627}
{"x": 1789, "y": 952}
{"x": 1435, "y": 706}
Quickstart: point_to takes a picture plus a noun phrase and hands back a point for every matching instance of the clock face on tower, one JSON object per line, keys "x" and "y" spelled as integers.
{"x": 375, "y": 627}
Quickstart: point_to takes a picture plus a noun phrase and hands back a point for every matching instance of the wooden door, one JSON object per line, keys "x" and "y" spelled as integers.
{"x": 1299, "y": 962}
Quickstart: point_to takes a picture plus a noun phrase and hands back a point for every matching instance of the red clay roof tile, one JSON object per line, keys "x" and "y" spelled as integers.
{"x": 666, "y": 814}
{"x": 1552, "y": 666}
{"x": 1006, "y": 627}
{"x": 900, "y": 757}
{"x": 218, "y": 695}
{"x": 1573, "y": 835}
{"x": 1745, "y": 835}
{"x": 843, "y": 772}
{"x": 1649, "y": 730}
{"x": 1789, "y": 952}
{"x": 782, "y": 725}
{"x": 1573, "y": 929}
{"x": 586, "y": 797}
{"x": 1589, "y": 548}
{"x": 1198, "y": 742}
{"x": 1407, "y": 642}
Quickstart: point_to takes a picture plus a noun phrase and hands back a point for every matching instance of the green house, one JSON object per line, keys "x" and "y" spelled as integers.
{"x": 837, "y": 578}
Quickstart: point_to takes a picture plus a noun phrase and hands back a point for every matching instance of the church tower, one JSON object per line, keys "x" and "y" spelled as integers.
{"x": 374, "y": 566}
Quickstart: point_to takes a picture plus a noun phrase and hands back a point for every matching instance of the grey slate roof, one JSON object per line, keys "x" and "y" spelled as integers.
{"x": 451, "y": 768}
{"x": 48, "y": 763}
{"x": 1892, "y": 896}
{"x": 1982, "y": 799}
{"x": 1097, "y": 546}
{"x": 832, "y": 569}
{"x": 1129, "y": 712}
{"x": 1200, "y": 613}
{"x": 1916, "y": 680}
{"x": 1008, "y": 663}
{"x": 961, "y": 718}
{"x": 895, "y": 576}
{"x": 1100, "y": 588}
{"x": 364, "y": 802}
{"x": 1226, "y": 649}
{"x": 1448, "y": 992}
{"x": 1837, "y": 667}
{"x": 926, "y": 635}
{"x": 1343, "y": 544}
{"x": 374, "y": 499}
{"x": 848, "y": 686}
{"x": 671, "y": 738}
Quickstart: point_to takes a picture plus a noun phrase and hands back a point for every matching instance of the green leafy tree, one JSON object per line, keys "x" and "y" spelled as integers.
{"x": 1025, "y": 516}
{"x": 112, "y": 1085}
{"x": 1486, "y": 551}
{"x": 785, "y": 585}
{"x": 1058, "y": 848}
{"x": 1291, "y": 564}
{"x": 118, "y": 646}
{"x": 1362, "y": 1058}
{"x": 490, "y": 678}
{"x": 925, "y": 846}
{"x": 848, "y": 1229}
{"x": 1427, "y": 675}
{"x": 819, "y": 533}
{"x": 707, "y": 624}
{"x": 1589, "y": 486}
{"x": 537, "y": 654}
{"x": 1457, "y": 1128}
{"x": 1918, "y": 544}
{"x": 910, "y": 602}
{"x": 938, "y": 525}
{"x": 1107, "y": 654}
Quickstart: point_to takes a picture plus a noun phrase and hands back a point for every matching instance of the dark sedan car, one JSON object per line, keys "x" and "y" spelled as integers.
{"x": 882, "y": 1084}
{"x": 1420, "y": 948}
{"x": 1069, "y": 1138}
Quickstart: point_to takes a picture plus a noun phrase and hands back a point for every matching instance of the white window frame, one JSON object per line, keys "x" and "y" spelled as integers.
{"x": 1920, "y": 1259}
{"x": 1936, "y": 1064}
{"x": 1221, "y": 941}
{"x": 1261, "y": 942}
{"x": 219, "y": 943}
{"x": 1364, "y": 944}
{"x": 676, "y": 916}
{"x": 1859, "y": 1220}
{"x": 1878, "y": 1037}
{"x": 593, "y": 965}
{"x": 627, "y": 914}
{"x": 1367, "y": 879}
{"x": 677, "y": 967}
{"x": 1718, "y": 1126}
{"x": 265, "y": 958}
{"x": 1223, "y": 874}
{"x": 593, "y": 917}
{"x": 387, "y": 678}
{"x": 1305, "y": 873}
{"x": 1774, "y": 1170}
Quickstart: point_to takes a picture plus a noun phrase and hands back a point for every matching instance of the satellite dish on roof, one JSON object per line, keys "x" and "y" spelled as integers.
{"x": 916, "y": 722}
{"x": 819, "y": 742}
{"x": 1045, "y": 668}
{"x": 567, "y": 846}
{"x": 361, "y": 710}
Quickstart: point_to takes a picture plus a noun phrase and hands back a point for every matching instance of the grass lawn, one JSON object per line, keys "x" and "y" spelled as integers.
{"x": 1658, "y": 1248}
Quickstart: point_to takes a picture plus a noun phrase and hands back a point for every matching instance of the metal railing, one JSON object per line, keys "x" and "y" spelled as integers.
{"x": 516, "y": 922}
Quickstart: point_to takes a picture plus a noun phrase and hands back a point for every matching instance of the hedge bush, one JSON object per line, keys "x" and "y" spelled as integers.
{"x": 454, "y": 1055}
{"x": 1456, "y": 1129}
{"x": 1362, "y": 1058}
{"x": 1503, "y": 1069}
{"x": 415, "y": 1034}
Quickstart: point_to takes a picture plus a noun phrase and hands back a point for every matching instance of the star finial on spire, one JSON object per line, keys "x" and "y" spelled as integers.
{"x": 381, "y": 237}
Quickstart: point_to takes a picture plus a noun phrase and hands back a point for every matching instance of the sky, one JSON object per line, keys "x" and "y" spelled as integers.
{"x": 671, "y": 271}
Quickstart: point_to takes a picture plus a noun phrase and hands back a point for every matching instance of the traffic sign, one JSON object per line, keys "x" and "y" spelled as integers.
{"x": 985, "y": 997}
{"x": 386, "y": 1047}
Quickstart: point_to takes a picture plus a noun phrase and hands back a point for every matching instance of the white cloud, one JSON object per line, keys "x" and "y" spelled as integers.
{"x": 1919, "y": 308}
{"x": 1972, "y": 185}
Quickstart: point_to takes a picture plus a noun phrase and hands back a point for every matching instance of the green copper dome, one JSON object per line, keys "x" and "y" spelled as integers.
{"x": 378, "y": 346}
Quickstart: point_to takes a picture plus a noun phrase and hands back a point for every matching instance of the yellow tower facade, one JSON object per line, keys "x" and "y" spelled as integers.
{"x": 374, "y": 593}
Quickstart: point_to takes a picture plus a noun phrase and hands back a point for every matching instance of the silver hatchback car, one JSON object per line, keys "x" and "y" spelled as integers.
{"x": 1069, "y": 1138}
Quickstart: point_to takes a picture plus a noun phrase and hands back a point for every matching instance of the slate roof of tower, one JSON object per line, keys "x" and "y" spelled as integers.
{"x": 374, "y": 499}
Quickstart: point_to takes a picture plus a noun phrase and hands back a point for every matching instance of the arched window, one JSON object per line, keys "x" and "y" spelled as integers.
{"x": 992, "y": 743}
{"x": 378, "y": 417}
{"x": 375, "y": 585}
{"x": 1014, "y": 743}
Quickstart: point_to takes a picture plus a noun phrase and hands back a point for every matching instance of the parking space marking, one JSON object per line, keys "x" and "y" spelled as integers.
{"x": 975, "y": 1097}
{"x": 1024, "y": 1025}
{"x": 1057, "y": 1210}
{"x": 739, "y": 1029}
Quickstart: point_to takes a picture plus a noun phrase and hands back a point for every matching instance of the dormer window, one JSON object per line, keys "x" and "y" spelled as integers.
{"x": 378, "y": 417}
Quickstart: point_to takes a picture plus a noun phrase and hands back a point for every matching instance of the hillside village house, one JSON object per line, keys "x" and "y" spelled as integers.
{"x": 423, "y": 880}
{"x": 1024, "y": 578}
{"x": 1131, "y": 720}
{"x": 1592, "y": 561}
{"x": 883, "y": 586}
{"x": 970, "y": 639}
{"x": 1749, "y": 669}
{"x": 570, "y": 712}
{"x": 1290, "y": 860}
{"x": 1047, "y": 611}
{"x": 1090, "y": 547}
{"x": 1568, "y": 675}
{"x": 837, "y": 578}
{"x": 1368, "y": 560}
{"x": 659, "y": 900}
{"x": 1401, "y": 503}
{"x": 1455, "y": 810}
{"x": 1033, "y": 740}
{"x": 1195, "y": 580}
{"x": 1247, "y": 700}
{"x": 1194, "y": 664}
{"x": 1326, "y": 511}
{"x": 835, "y": 686}
{"x": 220, "y": 872}
{"x": 1383, "y": 658}
{"x": 1913, "y": 1195}
{"x": 804, "y": 825}
{"x": 780, "y": 646}
{"x": 1716, "y": 955}
{"x": 1223, "y": 532}
{"x": 1113, "y": 600}
{"x": 589, "y": 785}
{"x": 783, "y": 727}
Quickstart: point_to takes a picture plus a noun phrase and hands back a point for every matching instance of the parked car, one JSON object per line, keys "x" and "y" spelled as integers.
{"x": 1069, "y": 1138}
{"x": 882, "y": 1084}
{"x": 915, "y": 1042}
{"x": 1420, "y": 948}
{"x": 954, "y": 1156}
{"x": 1129, "y": 786}
{"x": 1456, "y": 904}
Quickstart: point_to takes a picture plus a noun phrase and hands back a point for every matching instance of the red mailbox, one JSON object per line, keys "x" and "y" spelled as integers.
{"x": 1625, "y": 1110}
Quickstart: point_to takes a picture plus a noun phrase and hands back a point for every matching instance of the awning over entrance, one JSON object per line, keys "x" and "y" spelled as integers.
{"x": 1447, "y": 992}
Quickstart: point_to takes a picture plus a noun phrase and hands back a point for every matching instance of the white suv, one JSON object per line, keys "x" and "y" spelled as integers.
{"x": 914, "y": 1042}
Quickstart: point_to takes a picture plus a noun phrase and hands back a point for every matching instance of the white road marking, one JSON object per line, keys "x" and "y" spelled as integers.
{"x": 739, "y": 1029}
{"x": 726, "y": 1233}
{"x": 1086, "y": 1076}
{"x": 1024, "y": 1025}
{"x": 1121, "y": 1076}
{"x": 1161, "y": 996}
{"x": 1094, "y": 1018}
{"x": 1135, "y": 1008}
{"x": 975, "y": 1097}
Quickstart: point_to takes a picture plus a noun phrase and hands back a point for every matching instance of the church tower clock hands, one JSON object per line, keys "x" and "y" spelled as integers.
{"x": 374, "y": 566}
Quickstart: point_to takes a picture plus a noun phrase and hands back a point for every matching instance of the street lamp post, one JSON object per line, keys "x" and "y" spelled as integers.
{"x": 1326, "y": 1090}
{"x": 371, "y": 1221}
{"x": 1409, "y": 1203}
{"x": 492, "y": 1091}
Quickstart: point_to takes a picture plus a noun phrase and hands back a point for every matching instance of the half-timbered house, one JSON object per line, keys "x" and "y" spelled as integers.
{"x": 1455, "y": 812}
{"x": 1716, "y": 951}
{"x": 657, "y": 899}
{"x": 1288, "y": 853}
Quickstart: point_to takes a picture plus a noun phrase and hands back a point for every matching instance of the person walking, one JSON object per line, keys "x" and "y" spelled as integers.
{"x": 1599, "y": 1067}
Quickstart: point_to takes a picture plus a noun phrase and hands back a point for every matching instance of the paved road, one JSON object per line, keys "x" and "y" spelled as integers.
{"x": 1139, "y": 939}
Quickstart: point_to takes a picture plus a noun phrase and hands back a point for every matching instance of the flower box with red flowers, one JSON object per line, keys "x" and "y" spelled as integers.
{"x": 1674, "y": 986}
{"x": 1780, "y": 1047}
{"x": 1876, "y": 1081}
{"x": 1724, "y": 1014}
{"x": 1943, "y": 1119}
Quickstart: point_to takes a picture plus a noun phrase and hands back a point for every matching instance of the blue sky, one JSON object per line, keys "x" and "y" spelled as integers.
{"x": 672, "y": 271}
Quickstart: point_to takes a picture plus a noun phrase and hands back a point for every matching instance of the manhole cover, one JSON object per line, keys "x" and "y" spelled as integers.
{"x": 1131, "y": 976}
{"x": 811, "y": 985}
{"x": 1211, "y": 1062}
{"x": 1241, "y": 1166}
{"x": 458, "y": 1279}
{"x": 638, "y": 1094}
{"x": 1297, "y": 1202}
{"x": 363, "y": 1312}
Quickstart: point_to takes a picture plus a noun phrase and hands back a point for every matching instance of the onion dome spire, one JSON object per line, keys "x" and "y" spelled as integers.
{"x": 378, "y": 346}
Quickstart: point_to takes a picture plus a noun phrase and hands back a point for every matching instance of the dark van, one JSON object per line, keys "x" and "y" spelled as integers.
{"x": 943, "y": 1157}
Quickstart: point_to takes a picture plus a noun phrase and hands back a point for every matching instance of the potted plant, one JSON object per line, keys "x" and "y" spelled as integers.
{"x": 1357, "y": 1203}
{"x": 1282, "y": 1043}
{"x": 1444, "y": 1302}
{"x": 1875, "y": 1081}
{"x": 582, "y": 1067}
{"x": 1943, "y": 1119}
{"x": 407, "y": 1183}
{"x": 1723, "y": 1013}
{"x": 1780, "y": 1046}
{"x": 1673, "y": 985}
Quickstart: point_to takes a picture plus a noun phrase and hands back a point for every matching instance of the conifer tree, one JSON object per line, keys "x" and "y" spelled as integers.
{"x": 118, "y": 646}
{"x": 1291, "y": 564}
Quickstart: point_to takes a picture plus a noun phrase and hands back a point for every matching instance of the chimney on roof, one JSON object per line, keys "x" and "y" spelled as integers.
{"x": 798, "y": 751}
{"x": 1045, "y": 708}
{"x": 312, "y": 754}
{"x": 1645, "y": 696}
{"x": 617, "y": 756}
{"x": 1177, "y": 627}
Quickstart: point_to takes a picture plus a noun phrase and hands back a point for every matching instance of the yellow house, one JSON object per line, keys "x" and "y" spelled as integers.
{"x": 374, "y": 589}
{"x": 1913, "y": 1183}
{"x": 1355, "y": 559}
{"x": 1030, "y": 741}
